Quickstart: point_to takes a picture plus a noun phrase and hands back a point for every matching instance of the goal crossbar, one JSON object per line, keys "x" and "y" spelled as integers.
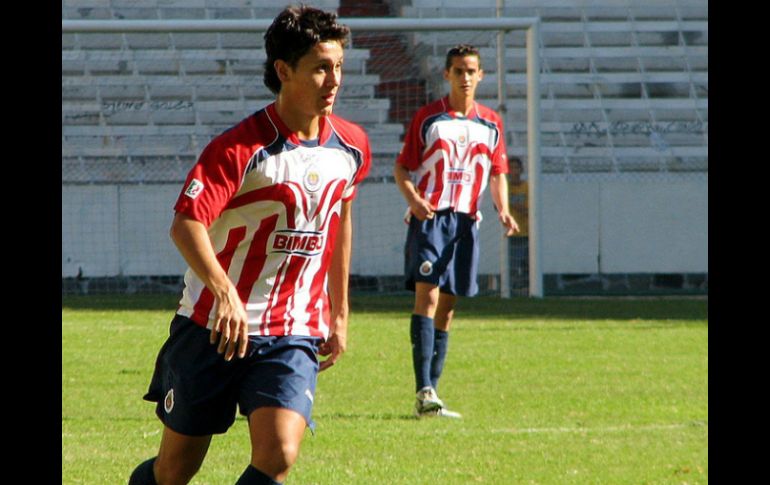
{"x": 258, "y": 25}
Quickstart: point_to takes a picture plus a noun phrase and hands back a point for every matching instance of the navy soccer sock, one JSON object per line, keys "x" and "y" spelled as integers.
{"x": 252, "y": 476}
{"x": 421, "y": 333}
{"x": 440, "y": 345}
{"x": 143, "y": 474}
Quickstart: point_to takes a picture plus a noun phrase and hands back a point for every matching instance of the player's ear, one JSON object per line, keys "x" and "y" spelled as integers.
{"x": 446, "y": 74}
{"x": 282, "y": 69}
{"x": 481, "y": 74}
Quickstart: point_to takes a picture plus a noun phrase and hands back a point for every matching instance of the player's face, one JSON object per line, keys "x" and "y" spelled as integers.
{"x": 312, "y": 84}
{"x": 464, "y": 75}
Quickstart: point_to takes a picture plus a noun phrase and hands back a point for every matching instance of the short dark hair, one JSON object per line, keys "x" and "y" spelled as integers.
{"x": 516, "y": 160}
{"x": 461, "y": 50}
{"x": 293, "y": 33}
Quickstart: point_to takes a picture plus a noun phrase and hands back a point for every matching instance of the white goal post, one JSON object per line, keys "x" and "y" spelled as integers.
{"x": 499, "y": 24}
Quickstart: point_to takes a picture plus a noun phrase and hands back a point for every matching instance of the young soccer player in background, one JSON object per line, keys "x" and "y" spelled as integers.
{"x": 263, "y": 220}
{"x": 454, "y": 148}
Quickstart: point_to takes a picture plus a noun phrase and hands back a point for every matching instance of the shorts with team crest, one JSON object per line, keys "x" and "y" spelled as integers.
{"x": 444, "y": 252}
{"x": 197, "y": 391}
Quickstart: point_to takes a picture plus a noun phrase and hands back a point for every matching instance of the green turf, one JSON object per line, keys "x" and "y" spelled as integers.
{"x": 553, "y": 391}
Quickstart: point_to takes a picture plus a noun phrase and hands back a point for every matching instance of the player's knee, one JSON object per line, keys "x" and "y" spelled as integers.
{"x": 276, "y": 460}
{"x": 426, "y": 305}
{"x": 289, "y": 454}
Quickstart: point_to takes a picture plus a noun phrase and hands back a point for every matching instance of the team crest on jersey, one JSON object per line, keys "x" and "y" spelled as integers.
{"x": 194, "y": 189}
{"x": 462, "y": 140}
{"x": 426, "y": 268}
{"x": 312, "y": 179}
{"x": 168, "y": 403}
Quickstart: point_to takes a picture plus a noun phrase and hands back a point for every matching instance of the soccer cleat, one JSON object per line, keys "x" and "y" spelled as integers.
{"x": 427, "y": 401}
{"x": 429, "y": 405}
{"x": 445, "y": 413}
{"x": 438, "y": 413}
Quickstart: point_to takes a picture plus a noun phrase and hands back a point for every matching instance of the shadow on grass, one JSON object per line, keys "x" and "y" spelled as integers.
{"x": 642, "y": 308}
{"x": 368, "y": 416}
{"x": 136, "y": 301}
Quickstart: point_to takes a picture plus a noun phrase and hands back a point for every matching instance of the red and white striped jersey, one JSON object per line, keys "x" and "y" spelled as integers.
{"x": 271, "y": 203}
{"x": 452, "y": 156}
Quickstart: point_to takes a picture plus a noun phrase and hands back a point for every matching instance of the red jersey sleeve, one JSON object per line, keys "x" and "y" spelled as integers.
{"x": 411, "y": 152}
{"x": 499, "y": 157}
{"x": 363, "y": 170}
{"x": 211, "y": 183}
{"x": 356, "y": 138}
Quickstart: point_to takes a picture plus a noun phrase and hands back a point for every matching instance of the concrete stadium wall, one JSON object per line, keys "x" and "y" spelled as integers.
{"x": 625, "y": 226}
{"x": 111, "y": 230}
{"x": 588, "y": 226}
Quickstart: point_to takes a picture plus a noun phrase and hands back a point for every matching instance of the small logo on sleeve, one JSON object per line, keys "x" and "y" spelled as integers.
{"x": 194, "y": 189}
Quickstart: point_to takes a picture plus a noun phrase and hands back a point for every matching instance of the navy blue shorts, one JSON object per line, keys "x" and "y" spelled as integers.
{"x": 444, "y": 252}
{"x": 197, "y": 390}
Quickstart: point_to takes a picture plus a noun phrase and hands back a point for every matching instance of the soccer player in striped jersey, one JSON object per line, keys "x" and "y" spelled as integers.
{"x": 264, "y": 222}
{"x": 454, "y": 148}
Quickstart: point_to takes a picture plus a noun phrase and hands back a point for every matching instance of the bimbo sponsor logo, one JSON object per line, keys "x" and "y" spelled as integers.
{"x": 455, "y": 176}
{"x": 304, "y": 243}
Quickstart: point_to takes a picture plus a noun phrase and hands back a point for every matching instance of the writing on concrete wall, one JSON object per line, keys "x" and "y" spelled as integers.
{"x": 622, "y": 128}
{"x": 119, "y": 106}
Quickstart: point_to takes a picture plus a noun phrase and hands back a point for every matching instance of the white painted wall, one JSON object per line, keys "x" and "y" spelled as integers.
{"x": 146, "y": 212}
{"x": 649, "y": 225}
{"x": 634, "y": 224}
{"x": 89, "y": 230}
{"x": 654, "y": 227}
{"x": 110, "y": 230}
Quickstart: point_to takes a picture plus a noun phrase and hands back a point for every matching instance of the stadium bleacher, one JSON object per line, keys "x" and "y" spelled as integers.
{"x": 622, "y": 87}
{"x": 150, "y": 96}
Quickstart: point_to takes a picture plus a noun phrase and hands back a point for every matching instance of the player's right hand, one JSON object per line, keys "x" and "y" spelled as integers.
{"x": 231, "y": 326}
{"x": 422, "y": 209}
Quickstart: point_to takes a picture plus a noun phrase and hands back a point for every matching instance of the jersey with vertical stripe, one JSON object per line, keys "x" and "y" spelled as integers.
{"x": 271, "y": 204}
{"x": 452, "y": 156}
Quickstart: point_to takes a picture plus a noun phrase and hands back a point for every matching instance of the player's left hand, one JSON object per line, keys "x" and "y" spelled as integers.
{"x": 507, "y": 220}
{"x": 333, "y": 347}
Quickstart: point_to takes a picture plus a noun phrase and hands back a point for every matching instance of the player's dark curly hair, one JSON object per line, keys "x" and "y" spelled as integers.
{"x": 461, "y": 50}
{"x": 293, "y": 33}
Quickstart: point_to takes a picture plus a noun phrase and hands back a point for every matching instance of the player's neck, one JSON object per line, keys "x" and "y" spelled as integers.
{"x": 461, "y": 104}
{"x": 306, "y": 127}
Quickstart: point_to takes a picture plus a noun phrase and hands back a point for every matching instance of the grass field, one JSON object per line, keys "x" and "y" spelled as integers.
{"x": 553, "y": 391}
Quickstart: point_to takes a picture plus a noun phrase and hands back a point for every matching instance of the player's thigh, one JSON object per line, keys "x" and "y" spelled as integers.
{"x": 426, "y": 298}
{"x": 180, "y": 456}
{"x": 276, "y": 434}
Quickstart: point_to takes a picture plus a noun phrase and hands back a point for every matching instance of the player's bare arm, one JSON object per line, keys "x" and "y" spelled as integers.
{"x": 339, "y": 270}
{"x": 498, "y": 186}
{"x": 421, "y": 208}
{"x": 231, "y": 323}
